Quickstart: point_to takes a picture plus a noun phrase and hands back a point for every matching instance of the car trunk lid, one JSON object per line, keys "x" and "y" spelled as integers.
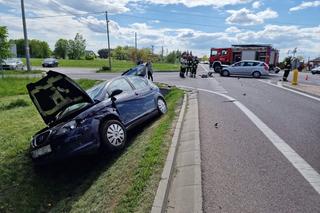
{"x": 54, "y": 93}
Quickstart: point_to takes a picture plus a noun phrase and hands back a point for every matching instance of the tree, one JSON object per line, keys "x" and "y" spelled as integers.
{"x": 38, "y": 49}
{"x": 61, "y": 48}
{"x": 4, "y": 44}
{"x": 77, "y": 47}
{"x": 103, "y": 53}
{"x": 205, "y": 58}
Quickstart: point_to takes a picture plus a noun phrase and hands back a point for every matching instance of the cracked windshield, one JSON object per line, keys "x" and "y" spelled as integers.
{"x": 176, "y": 106}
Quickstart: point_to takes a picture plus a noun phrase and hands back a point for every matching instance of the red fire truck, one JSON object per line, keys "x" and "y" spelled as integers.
{"x": 235, "y": 53}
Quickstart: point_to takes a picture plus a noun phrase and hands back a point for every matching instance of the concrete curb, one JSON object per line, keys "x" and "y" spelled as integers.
{"x": 159, "y": 203}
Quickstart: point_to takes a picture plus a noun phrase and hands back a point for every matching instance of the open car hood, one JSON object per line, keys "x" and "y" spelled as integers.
{"x": 54, "y": 93}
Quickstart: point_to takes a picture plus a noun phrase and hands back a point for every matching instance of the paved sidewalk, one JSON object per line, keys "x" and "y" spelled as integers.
{"x": 311, "y": 89}
{"x": 185, "y": 194}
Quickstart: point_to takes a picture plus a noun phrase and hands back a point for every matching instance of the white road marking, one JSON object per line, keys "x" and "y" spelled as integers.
{"x": 305, "y": 169}
{"x": 279, "y": 85}
{"x": 311, "y": 175}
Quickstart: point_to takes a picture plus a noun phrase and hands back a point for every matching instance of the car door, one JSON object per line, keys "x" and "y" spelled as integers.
{"x": 145, "y": 94}
{"x": 126, "y": 101}
{"x": 236, "y": 68}
{"x": 247, "y": 68}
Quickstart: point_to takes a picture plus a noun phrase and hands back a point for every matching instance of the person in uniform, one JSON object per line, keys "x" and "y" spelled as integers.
{"x": 149, "y": 70}
{"x": 287, "y": 68}
{"x": 183, "y": 65}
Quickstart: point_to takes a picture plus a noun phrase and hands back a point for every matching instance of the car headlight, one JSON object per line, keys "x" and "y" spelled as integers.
{"x": 67, "y": 127}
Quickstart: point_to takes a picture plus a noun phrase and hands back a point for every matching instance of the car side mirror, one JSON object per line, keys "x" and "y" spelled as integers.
{"x": 114, "y": 93}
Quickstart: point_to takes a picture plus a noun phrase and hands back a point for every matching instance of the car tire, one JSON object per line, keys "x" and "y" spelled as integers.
{"x": 256, "y": 74}
{"x": 225, "y": 73}
{"x": 217, "y": 68}
{"x": 113, "y": 135}
{"x": 161, "y": 106}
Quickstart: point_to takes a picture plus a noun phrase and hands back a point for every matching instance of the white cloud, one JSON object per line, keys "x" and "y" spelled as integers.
{"x": 232, "y": 30}
{"x": 196, "y": 3}
{"x": 256, "y": 4}
{"x": 305, "y": 5}
{"x": 155, "y": 21}
{"x": 247, "y": 17}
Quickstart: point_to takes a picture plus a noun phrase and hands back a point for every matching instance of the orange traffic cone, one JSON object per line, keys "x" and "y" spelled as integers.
{"x": 307, "y": 77}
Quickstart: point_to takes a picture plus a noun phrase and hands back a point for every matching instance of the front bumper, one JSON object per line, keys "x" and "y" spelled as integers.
{"x": 54, "y": 147}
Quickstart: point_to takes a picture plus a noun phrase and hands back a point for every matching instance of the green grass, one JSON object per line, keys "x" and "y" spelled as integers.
{"x": 117, "y": 65}
{"x": 123, "y": 182}
{"x": 10, "y": 86}
{"x": 20, "y": 72}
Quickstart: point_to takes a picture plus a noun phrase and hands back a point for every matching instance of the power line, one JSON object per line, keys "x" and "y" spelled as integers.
{"x": 165, "y": 20}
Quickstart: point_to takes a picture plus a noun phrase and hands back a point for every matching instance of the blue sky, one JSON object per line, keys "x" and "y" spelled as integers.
{"x": 173, "y": 24}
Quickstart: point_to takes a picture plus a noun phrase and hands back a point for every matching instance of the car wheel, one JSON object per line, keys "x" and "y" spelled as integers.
{"x": 256, "y": 74}
{"x": 225, "y": 73}
{"x": 217, "y": 68}
{"x": 113, "y": 135}
{"x": 162, "y": 106}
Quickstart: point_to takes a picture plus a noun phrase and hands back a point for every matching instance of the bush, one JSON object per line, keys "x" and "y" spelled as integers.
{"x": 89, "y": 57}
{"x": 105, "y": 68}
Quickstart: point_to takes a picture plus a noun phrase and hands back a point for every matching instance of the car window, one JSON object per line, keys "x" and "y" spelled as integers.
{"x": 138, "y": 82}
{"x": 238, "y": 64}
{"x": 224, "y": 52}
{"x": 250, "y": 63}
{"x": 214, "y": 52}
{"x": 96, "y": 91}
{"x": 120, "y": 83}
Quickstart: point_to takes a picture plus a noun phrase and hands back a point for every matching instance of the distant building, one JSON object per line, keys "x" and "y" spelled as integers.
{"x": 315, "y": 62}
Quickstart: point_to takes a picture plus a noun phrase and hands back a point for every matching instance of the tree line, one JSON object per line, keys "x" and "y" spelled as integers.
{"x": 76, "y": 49}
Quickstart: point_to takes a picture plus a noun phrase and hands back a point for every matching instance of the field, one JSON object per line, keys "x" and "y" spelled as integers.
{"x": 105, "y": 182}
{"x": 117, "y": 65}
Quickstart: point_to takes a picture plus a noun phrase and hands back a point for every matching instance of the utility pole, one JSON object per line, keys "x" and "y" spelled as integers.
{"x": 26, "y": 44}
{"x": 136, "y": 45}
{"x": 109, "y": 52}
{"x": 162, "y": 53}
{"x": 152, "y": 49}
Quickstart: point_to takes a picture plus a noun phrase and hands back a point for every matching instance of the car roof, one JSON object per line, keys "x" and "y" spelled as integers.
{"x": 251, "y": 61}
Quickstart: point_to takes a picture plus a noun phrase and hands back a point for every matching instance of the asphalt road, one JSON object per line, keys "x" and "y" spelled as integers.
{"x": 243, "y": 168}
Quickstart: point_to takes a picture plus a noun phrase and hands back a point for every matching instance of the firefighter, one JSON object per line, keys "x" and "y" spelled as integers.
{"x": 195, "y": 63}
{"x": 287, "y": 68}
{"x": 183, "y": 65}
{"x": 189, "y": 65}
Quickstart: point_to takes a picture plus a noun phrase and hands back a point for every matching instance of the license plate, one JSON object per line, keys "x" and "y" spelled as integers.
{"x": 41, "y": 151}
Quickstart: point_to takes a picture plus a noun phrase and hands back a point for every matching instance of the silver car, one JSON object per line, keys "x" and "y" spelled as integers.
{"x": 12, "y": 64}
{"x": 248, "y": 68}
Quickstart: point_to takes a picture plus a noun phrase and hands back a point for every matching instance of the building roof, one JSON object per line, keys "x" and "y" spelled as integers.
{"x": 315, "y": 60}
{"x": 251, "y": 45}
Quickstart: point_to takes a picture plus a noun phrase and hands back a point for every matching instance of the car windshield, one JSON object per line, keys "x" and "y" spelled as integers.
{"x": 96, "y": 91}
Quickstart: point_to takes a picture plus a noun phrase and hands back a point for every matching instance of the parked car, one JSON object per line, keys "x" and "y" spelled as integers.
{"x": 50, "y": 62}
{"x": 255, "y": 69}
{"x": 12, "y": 64}
{"x": 81, "y": 121}
{"x": 315, "y": 70}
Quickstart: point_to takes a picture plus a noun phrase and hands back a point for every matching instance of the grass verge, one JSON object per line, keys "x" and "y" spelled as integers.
{"x": 117, "y": 65}
{"x": 122, "y": 182}
{"x": 20, "y": 72}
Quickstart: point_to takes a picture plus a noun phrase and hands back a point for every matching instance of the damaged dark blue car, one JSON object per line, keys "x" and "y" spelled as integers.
{"x": 80, "y": 122}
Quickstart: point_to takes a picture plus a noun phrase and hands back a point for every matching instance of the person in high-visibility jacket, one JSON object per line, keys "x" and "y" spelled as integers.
{"x": 287, "y": 68}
